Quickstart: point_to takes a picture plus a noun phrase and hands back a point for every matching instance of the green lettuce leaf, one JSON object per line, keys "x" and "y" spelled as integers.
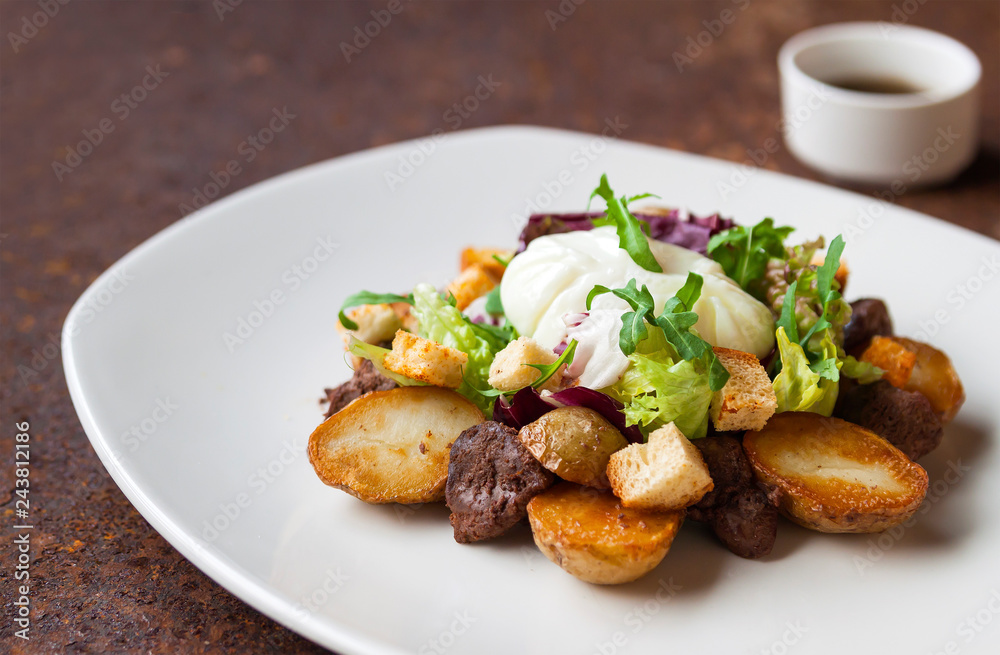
{"x": 442, "y": 322}
{"x": 801, "y": 387}
{"x": 656, "y": 390}
{"x": 863, "y": 372}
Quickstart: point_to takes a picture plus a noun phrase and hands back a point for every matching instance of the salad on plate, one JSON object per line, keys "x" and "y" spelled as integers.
{"x": 623, "y": 370}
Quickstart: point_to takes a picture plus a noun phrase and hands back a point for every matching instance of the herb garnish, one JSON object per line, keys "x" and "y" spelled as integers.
{"x": 675, "y": 321}
{"x": 744, "y": 252}
{"x": 631, "y": 237}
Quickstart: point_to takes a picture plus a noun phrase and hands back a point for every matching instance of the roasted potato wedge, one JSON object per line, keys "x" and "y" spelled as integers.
{"x": 575, "y": 443}
{"x": 917, "y": 366}
{"x": 392, "y": 446}
{"x": 591, "y": 535}
{"x": 833, "y": 476}
{"x": 894, "y": 358}
{"x": 934, "y": 376}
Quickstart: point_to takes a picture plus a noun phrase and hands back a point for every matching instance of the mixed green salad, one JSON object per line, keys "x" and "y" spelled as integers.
{"x": 667, "y": 370}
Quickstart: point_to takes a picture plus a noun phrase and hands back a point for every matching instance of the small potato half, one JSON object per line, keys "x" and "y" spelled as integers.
{"x": 833, "y": 476}
{"x": 590, "y": 534}
{"x": 575, "y": 443}
{"x": 392, "y": 446}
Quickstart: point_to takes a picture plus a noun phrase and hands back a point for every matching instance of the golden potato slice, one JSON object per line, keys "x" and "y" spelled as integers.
{"x": 917, "y": 366}
{"x": 575, "y": 443}
{"x": 591, "y": 535}
{"x": 392, "y": 446}
{"x": 934, "y": 376}
{"x": 834, "y": 476}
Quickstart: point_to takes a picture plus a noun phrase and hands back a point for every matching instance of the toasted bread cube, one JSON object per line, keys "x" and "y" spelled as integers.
{"x": 510, "y": 369}
{"x": 665, "y": 473}
{"x": 747, "y": 400}
{"x": 485, "y": 258}
{"x": 404, "y": 311}
{"x": 376, "y": 323}
{"x": 425, "y": 360}
{"x": 471, "y": 283}
{"x": 892, "y": 357}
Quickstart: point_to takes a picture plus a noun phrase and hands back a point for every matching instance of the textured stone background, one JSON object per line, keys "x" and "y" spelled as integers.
{"x": 103, "y": 580}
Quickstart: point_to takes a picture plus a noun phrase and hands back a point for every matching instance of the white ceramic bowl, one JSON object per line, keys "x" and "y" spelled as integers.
{"x": 901, "y": 139}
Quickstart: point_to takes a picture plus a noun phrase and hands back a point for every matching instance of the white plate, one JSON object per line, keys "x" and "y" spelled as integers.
{"x": 198, "y": 433}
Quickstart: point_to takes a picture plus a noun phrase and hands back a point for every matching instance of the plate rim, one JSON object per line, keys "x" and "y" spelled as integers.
{"x": 225, "y": 572}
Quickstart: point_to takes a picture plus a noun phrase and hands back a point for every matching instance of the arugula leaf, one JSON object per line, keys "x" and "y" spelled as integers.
{"x": 677, "y": 319}
{"x": 825, "y": 273}
{"x": 744, "y": 252}
{"x": 718, "y": 376}
{"x": 689, "y": 293}
{"x": 631, "y": 199}
{"x": 787, "y": 318}
{"x": 598, "y": 290}
{"x": 548, "y": 370}
{"x": 493, "y": 303}
{"x": 368, "y": 298}
{"x": 501, "y": 260}
{"x": 675, "y": 323}
{"x": 633, "y": 323}
{"x": 500, "y": 335}
{"x": 631, "y": 237}
{"x": 824, "y": 288}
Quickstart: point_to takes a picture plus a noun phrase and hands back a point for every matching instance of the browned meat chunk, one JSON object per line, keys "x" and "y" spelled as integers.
{"x": 739, "y": 512}
{"x": 905, "y": 419}
{"x": 869, "y": 318}
{"x": 730, "y": 470}
{"x": 491, "y": 478}
{"x": 366, "y": 378}
{"x": 747, "y": 524}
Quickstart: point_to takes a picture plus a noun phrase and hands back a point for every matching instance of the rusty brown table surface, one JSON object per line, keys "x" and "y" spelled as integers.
{"x": 102, "y": 580}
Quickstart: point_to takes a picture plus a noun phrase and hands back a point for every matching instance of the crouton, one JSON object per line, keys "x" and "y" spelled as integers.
{"x": 893, "y": 357}
{"x": 425, "y": 360}
{"x": 471, "y": 283}
{"x": 485, "y": 258}
{"x": 510, "y": 369}
{"x": 376, "y": 323}
{"x": 747, "y": 400}
{"x": 665, "y": 473}
{"x": 404, "y": 311}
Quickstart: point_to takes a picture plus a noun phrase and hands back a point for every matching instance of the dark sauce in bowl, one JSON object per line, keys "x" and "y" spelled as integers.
{"x": 882, "y": 85}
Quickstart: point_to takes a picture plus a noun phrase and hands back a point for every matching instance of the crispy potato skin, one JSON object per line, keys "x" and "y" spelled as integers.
{"x": 833, "y": 476}
{"x": 934, "y": 376}
{"x": 392, "y": 446}
{"x": 590, "y": 534}
{"x": 917, "y": 366}
{"x": 575, "y": 443}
